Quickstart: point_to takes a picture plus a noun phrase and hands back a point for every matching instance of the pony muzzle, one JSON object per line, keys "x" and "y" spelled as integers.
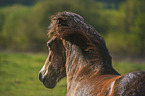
{"x": 44, "y": 78}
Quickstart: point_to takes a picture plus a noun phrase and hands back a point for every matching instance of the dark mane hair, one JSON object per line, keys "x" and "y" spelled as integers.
{"x": 67, "y": 24}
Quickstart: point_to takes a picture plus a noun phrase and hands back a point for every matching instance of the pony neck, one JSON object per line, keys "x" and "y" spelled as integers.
{"x": 77, "y": 65}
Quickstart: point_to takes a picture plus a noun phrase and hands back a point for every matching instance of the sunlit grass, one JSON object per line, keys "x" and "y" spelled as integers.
{"x": 126, "y": 67}
{"x": 19, "y": 75}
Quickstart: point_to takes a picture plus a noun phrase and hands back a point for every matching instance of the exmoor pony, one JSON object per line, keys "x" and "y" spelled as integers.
{"x": 76, "y": 50}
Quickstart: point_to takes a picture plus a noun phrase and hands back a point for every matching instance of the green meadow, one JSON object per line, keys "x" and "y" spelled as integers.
{"x": 19, "y": 75}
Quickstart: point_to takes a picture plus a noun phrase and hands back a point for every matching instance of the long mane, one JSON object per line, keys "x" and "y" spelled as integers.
{"x": 65, "y": 24}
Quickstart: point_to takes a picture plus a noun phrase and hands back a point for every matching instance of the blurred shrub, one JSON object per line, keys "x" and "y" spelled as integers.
{"x": 138, "y": 30}
{"x": 126, "y": 36}
{"x": 14, "y": 28}
{"x": 123, "y": 44}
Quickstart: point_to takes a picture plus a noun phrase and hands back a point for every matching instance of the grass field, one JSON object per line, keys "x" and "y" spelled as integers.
{"x": 19, "y": 75}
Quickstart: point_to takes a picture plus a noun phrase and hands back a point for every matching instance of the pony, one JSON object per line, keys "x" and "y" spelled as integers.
{"x": 76, "y": 50}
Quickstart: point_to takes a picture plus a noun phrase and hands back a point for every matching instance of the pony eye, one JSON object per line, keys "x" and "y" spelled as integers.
{"x": 49, "y": 45}
{"x": 50, "y": 42}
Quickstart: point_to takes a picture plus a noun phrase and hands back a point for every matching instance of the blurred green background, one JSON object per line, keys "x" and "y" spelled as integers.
{"x": 23, "y": 36}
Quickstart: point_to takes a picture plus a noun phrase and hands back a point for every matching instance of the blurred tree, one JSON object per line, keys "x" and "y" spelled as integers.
{"x": 11, "y": 2}
{"x": 139, "y": 31}
{"x": 13, "y": 32}
{"x": 109, "y": 3}
{"x": 131, "y": 9}
{"x": 1, "y": 20}
{"x": 1, "y": 26}
{"x": 129, "y": 26}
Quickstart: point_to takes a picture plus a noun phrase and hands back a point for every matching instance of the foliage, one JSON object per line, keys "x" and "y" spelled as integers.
{"x": 14, "y": 27}
{"x": 24, "y": 28}
{"x": 138, "y": 30}
{"x": 127, "y": 38}
{"x": 123, "y": 43}
{"x": 19, "y": 75}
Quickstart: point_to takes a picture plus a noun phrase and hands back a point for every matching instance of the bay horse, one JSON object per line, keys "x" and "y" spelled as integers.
{"x": 76, "y": 50}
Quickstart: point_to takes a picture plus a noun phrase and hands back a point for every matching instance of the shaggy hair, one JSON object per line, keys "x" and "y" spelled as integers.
{"x": 66, "y": 24}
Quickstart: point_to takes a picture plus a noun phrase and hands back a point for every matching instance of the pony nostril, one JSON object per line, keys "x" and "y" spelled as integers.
{"x": 40, "y": 76}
